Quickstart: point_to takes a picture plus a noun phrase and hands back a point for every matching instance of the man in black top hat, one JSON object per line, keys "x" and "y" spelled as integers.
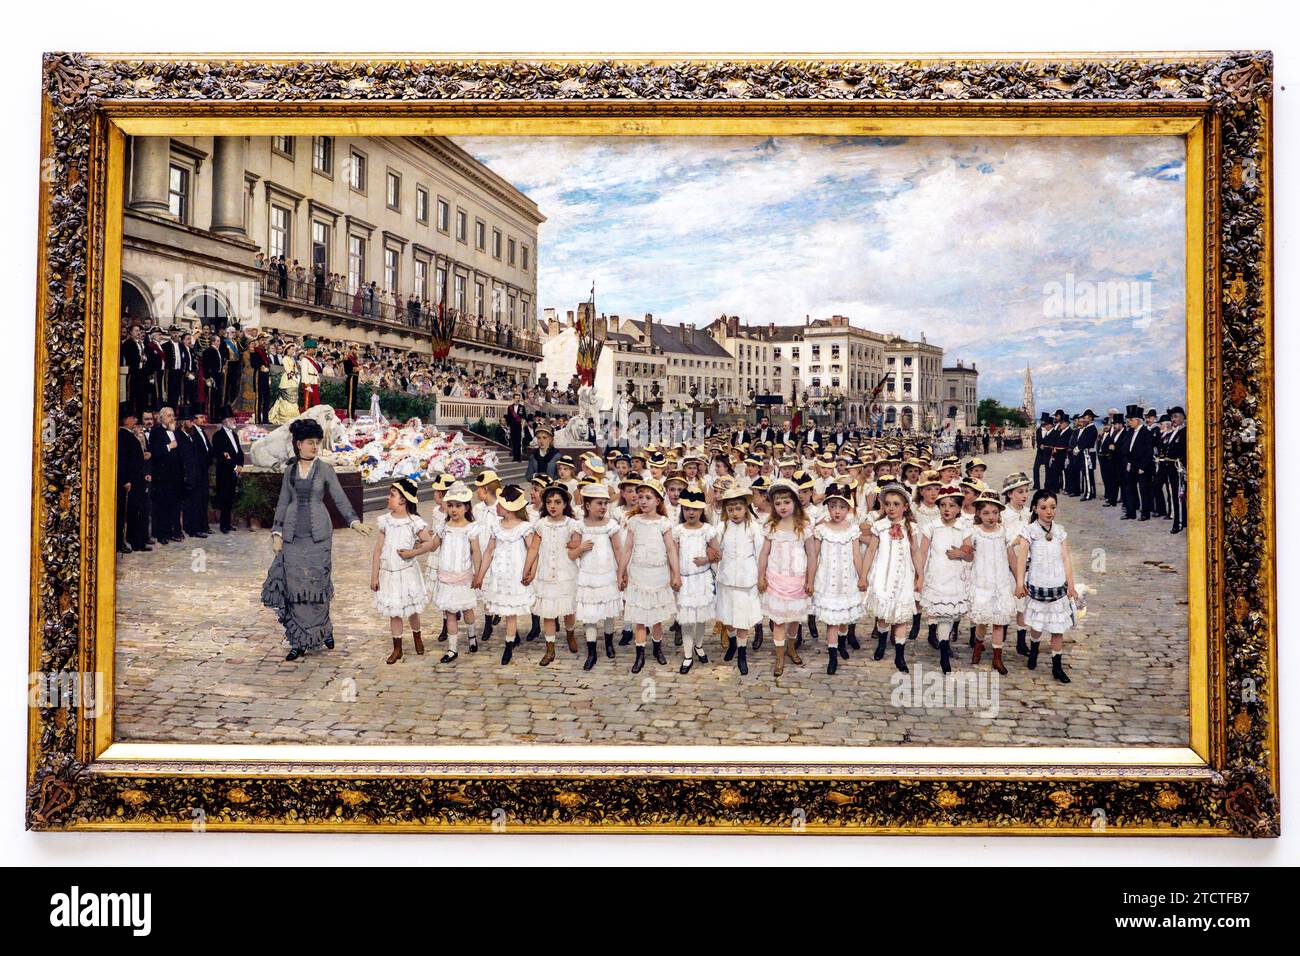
{"x": 1043, "y": 451}
{"x": 196, "y": 462}
{"x": 1073, "y": 459}
{"x": 1109, "y": 458}
{"x": 167, "y": 489}
{"x": 1152, "y": 425}
{"x": 1135, "y": 449}
{"x": 131, "y": 531}
{"x": 1058, "y": 448}
{"x": 229, "y": 457}
{"x": 1085, "y": 442}
{"x": 135, "y": 359}
{"x": 1176, "y": 453}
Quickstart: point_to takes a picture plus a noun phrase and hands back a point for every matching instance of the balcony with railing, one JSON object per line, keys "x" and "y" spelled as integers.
{"x": 343, "y": 306}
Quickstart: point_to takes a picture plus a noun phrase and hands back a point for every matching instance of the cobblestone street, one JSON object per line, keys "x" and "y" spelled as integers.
{"x": 200, "y": 660}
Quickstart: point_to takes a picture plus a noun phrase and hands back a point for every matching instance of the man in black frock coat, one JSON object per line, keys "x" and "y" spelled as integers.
{"x": 196, "y": 459}
{"x": 132, "y": 532}
{"x": 167, "y": 487}
{"x": 1138, "y": 463}
{"x": 229, "y": 458}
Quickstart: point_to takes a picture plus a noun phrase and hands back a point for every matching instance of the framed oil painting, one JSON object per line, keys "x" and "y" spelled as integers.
{"x": 826, "y": 446}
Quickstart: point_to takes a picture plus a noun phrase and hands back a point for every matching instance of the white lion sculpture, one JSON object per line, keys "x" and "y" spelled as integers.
{"x": 275, "y": 450}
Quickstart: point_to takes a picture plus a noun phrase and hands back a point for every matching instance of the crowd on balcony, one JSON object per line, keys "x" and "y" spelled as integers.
{"x": 292, "y": 281}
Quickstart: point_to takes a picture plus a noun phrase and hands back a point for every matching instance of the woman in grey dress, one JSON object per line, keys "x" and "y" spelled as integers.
{"x": 299, "y": 585}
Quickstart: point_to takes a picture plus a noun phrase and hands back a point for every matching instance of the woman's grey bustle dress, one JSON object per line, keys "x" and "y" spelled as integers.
{"x": 299, "y": 586}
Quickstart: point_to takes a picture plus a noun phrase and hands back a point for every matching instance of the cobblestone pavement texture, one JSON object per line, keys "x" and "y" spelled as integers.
{"x": 200, "y": 660}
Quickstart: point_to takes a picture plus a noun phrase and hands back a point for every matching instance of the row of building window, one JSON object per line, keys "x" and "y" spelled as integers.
{"x": 516, "y": 253}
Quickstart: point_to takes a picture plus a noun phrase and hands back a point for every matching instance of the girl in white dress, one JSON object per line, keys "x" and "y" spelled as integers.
{"x": 893, "y": 566}
{"x": 784, "y": 580}
{"x": 487, "y": 489}
{"x": 695, "y": 544}
{"x": 944, "y": 599}
{"x": 456, "y": 557}
{"x": 738, "y": 605}
{"x": 837, "y": 572}
{"x": 648, "y": 574}
{"x": 506, "y": 592}
{"x": 1015, "y": 492}
{"x": 394, "y": 569}
{"x": 437, "y": 518}
{"x": 552, "y": 572}
{"x": 595, "y": 546}
{"x": 1044, "y": 575}
{"x": 992, "y": 585}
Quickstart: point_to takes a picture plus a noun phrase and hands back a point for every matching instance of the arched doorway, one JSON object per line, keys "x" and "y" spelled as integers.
{"x": 210, "y": 309}
{"x": 907, "y": 419}
{"x": 136, "y": 307}
{"x": 891, "y": 415}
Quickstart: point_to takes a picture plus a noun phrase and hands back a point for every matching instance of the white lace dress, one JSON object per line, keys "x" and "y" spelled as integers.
{"x": 891, "y": 581}
{"x": 992, "y": 585}
{"x": 945, "y": 593}
{"x": 1014, "y": 521}
{"x": 1045, "y": 574}
{"x": 738, "y": 603}
{"x": 696, "y": 601}
{"x": 648, "y": 598}
{"x": 784, "y": 601}
{"x": 454, "y": 564}
{"x": 401, "y": 585}
{"x": 504, "y": 592}
{"x": 597, "y": 597}
{"x": 926, "y": 516}
{"x": 836, "y": 598}
{"x": 555, "y": 585}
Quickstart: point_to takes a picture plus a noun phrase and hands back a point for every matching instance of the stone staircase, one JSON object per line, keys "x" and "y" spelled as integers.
{"x": 510, "y": 472}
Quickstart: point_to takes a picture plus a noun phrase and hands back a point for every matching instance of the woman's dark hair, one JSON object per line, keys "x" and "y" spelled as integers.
{"x": 301, "y": 429}
{"x": 1039, "y": 495}
{"x": 563, "y": 494}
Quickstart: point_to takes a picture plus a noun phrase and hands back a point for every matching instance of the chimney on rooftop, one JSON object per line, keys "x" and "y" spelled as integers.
{"x": 771, "y": 330}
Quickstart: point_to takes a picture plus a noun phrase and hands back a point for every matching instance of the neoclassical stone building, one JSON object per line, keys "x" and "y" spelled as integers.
{"x": 412, "y": 215}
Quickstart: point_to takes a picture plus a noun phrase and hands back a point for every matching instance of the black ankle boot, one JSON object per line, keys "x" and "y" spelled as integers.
{"x": 916, "y": 627}
{"x": 1021, "y": 647}
{"x": 798, "y": 637}
{"x": 609, "y": 646}
{"x": 758, "y": 637}
{"x": 945, "y": 657}
{"x": 812, "y": 628}
{"x": 1033, "y": 655}
{"x": 677, "y": 635}
{"x": 932, "y": 635}
{"x": 973, "y": 638}
{"x": 832, "y": 665}
{"x": 640, "y": 659}
{"x": 508, "y": 652}
{"x": 899, "y": 660}
{"x": 853, "y": 637}
{"x": 626, "y": 639}
{"x": 1058, "y": 670}
{"x": 590, "y": 662}
{"x": 487, "y": 628}
{"x": 535, "y": 630}
{"x": 882, "y": 637}
{"x": 659, "y": 652}
{"x": 742, "y": 664}
{"x": 843, "y": 649}
{"x": 731, "y": 647}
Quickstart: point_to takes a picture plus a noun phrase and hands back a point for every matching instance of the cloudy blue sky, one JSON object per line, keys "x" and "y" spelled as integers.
{"x": 964, "y": 240}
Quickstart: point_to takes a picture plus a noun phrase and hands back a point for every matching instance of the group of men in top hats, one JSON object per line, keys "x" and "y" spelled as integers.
{"x": 1141, "y": 455}
{"x": 168, "y": 368}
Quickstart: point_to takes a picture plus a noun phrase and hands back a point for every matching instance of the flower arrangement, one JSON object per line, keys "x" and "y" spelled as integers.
{"x": 383, "y": 450}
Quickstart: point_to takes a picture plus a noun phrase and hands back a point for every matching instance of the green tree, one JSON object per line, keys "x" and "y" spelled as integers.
{"x": 993, "y": 412}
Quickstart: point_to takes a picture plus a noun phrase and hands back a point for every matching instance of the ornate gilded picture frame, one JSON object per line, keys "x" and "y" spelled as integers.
{"x": 1224, "y": 783}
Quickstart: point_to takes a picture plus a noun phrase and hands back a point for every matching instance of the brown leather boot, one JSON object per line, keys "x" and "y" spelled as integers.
{"x": 396, "y": 656}
{"x": 997, "y": 662}
{"x": 573, "y": 642}
{"x": 419, "y": 644}
{"x": 792, "y": 652}
{"x": 550, "y": 653}
{"x": 779, "y": 667}
{"x": 976, "y": 654}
